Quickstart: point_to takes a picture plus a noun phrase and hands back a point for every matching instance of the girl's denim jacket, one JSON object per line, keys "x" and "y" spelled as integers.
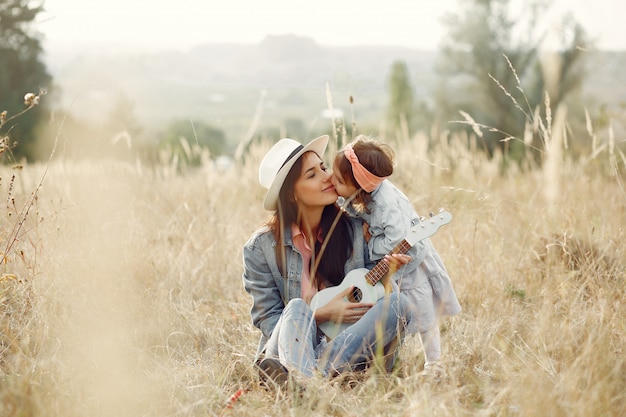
{"x": 391, "y": 215}
{"x": 270, "y": 290}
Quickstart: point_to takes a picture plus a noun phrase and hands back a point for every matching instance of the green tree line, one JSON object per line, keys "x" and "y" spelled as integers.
{"x": 22, "y": 72}
{"x": 495, "y": 81}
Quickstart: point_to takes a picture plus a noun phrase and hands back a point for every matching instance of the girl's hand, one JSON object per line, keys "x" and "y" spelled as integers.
{"x": 395, "y": 262}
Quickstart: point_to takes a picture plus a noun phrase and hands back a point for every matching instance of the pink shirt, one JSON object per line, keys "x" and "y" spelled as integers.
{"x": 300, "y": 241}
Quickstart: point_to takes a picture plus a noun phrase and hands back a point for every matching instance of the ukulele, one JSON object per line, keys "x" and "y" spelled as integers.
{"x": 368, "y": 287}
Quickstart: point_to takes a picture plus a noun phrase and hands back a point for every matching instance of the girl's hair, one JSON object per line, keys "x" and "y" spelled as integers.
{"x": 375, "y": 156}
{"x": 338, "y": 248}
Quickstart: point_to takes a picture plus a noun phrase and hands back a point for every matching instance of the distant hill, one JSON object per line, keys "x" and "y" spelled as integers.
{"x": 222, "y": 84}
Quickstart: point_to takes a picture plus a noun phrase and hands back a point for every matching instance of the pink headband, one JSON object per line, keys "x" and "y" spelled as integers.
{"x": 366, "y": 179}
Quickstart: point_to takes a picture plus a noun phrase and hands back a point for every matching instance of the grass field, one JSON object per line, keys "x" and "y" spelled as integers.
{"x": 121, "y": 292}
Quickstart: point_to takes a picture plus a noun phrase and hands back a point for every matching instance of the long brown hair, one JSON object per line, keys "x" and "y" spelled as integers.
{"x": 332, "y": 253}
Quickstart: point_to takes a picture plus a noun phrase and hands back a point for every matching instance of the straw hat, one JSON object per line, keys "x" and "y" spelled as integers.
{"x": 278, "y": 161}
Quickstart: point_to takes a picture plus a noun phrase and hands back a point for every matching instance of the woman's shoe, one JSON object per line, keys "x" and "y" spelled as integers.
{"x": 272, "y": 371}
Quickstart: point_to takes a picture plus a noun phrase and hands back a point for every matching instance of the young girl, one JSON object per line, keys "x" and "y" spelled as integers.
{"x": 359, "y": 175}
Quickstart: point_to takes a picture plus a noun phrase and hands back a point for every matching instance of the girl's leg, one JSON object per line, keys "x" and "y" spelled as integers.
{"x": 357, "y": 345}
{"x": 431, "y": 340}
{"x": 293, "y": 339}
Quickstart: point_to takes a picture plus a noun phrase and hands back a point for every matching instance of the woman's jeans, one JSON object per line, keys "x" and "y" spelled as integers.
{"x": 300, "y": 347}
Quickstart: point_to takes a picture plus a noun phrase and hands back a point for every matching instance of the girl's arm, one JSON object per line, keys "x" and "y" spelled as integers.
{"x": 388, "y": 228}
{"x": 394, "y": 225}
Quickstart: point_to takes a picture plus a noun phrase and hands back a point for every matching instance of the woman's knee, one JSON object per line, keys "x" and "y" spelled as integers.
{"x": 397, "y": 300}
{"x": 399, "y": 303}
{"x": 297, "y": 307}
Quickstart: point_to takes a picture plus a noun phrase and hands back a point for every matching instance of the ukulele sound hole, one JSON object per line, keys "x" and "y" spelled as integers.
{"x": 355, "y": 296}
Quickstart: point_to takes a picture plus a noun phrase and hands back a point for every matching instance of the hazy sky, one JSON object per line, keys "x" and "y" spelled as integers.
{"x": 412, "y": 23}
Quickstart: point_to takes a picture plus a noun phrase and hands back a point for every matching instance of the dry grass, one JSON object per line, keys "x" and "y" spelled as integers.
{"x": 122, "y": 295}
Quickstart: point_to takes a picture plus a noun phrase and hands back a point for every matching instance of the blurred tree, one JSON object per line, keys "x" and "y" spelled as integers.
{"x": 491, "y": 69}
{"x": 21, "y": 71}
{"x": 562, "y": 71}
{"x": 400, "y": 106}
{"x": 187, "y": 139}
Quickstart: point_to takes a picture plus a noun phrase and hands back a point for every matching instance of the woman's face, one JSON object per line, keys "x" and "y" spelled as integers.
{"x": 344, "y": 188}
{"x": 313, "y": 188}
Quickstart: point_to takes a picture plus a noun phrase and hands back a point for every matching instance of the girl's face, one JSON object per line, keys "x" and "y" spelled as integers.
{"x": 344, "y": 187}
{"x": 313, "y": 188}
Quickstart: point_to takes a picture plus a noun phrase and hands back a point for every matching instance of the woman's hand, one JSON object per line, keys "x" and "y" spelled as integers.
{"x": 339, "y": 310}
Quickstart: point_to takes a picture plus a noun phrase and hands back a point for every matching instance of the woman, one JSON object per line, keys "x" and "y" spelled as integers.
{"x": 306, "y": 246}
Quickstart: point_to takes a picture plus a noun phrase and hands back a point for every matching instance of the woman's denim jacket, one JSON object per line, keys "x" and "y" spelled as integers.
{"x": 271, "y": 291}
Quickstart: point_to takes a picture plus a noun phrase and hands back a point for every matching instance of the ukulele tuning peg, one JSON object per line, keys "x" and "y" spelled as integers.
{"x": 422, "y": 218}
{"x": 441, "y": 210}
{"x": 431, "y": 214}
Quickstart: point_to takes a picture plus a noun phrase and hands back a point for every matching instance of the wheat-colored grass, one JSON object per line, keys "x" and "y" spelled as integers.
{"x": 122, "y": 295}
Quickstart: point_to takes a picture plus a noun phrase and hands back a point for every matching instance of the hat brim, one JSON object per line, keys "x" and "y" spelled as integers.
{"x": 317, "y": 145}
